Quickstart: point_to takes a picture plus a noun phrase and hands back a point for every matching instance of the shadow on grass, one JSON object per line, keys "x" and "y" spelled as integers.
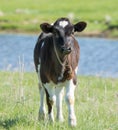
{"x": 8, "y": 123}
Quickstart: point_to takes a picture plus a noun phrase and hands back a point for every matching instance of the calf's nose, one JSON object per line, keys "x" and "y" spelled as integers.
{"x": 66, "y": 50}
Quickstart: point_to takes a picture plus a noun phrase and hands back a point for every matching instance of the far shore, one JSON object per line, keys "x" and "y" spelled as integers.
{"x": 104, "y": 34}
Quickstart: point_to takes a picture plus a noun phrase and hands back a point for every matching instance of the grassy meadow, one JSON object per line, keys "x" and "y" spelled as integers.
{"x": 96, "y": 103}
{"x": 26, "y": 15}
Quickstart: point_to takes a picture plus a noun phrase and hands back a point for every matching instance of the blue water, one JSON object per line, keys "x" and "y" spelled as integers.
{"x": 98, "y": 56}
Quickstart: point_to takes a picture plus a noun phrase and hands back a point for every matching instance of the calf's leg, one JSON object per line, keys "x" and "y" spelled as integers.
{"x": 59, "y": 97}
{"x": 50, "y": 98}
{"x": 70, "y": 88}
{"x": 42, "y": 110}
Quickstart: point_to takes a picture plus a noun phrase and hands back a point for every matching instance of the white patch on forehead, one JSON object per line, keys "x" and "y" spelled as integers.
{"x": 63, "y": 23}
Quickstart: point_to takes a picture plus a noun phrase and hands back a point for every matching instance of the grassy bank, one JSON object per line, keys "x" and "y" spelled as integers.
{"x": 26, "y": 15}
{"x": 96, "y": 103}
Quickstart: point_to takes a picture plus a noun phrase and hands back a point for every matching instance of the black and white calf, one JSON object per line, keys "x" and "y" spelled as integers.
{"x": 56, "y": 57}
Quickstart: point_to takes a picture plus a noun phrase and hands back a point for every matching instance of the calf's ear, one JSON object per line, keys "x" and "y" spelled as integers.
{"x": 80, "y": 26}
{"x": 46, "y": 27}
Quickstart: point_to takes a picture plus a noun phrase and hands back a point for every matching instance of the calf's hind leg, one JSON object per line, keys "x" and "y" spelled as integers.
{"x": 50, "y": 98}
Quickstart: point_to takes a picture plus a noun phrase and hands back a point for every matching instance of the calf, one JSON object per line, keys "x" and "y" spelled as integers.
{"x": 56, "y": 57}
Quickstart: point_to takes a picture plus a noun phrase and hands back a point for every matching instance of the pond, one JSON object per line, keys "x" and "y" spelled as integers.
{"x": 98, "y": 56}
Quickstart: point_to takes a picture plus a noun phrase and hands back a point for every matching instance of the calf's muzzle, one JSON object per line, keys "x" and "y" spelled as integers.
{"x": 66, "y": 50}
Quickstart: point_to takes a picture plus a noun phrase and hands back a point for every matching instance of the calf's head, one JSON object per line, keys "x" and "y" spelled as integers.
{"x": 62, "y": 31}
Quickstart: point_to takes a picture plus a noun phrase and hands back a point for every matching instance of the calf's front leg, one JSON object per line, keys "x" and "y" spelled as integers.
{"x": 59, "y": 91}
{"x": 70, "y": 88}
{"x": 42, "y": 110}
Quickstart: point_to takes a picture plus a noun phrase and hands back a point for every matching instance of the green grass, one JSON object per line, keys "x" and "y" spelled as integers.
{"x": 96, "y": 103}
{"x": 26, "y": 15}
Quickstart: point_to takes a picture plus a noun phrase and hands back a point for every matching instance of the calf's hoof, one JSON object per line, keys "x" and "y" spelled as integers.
{"x": 60, "y": 119}
{"x": 41, "y": 116}
{"x": 72, "y": 122}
